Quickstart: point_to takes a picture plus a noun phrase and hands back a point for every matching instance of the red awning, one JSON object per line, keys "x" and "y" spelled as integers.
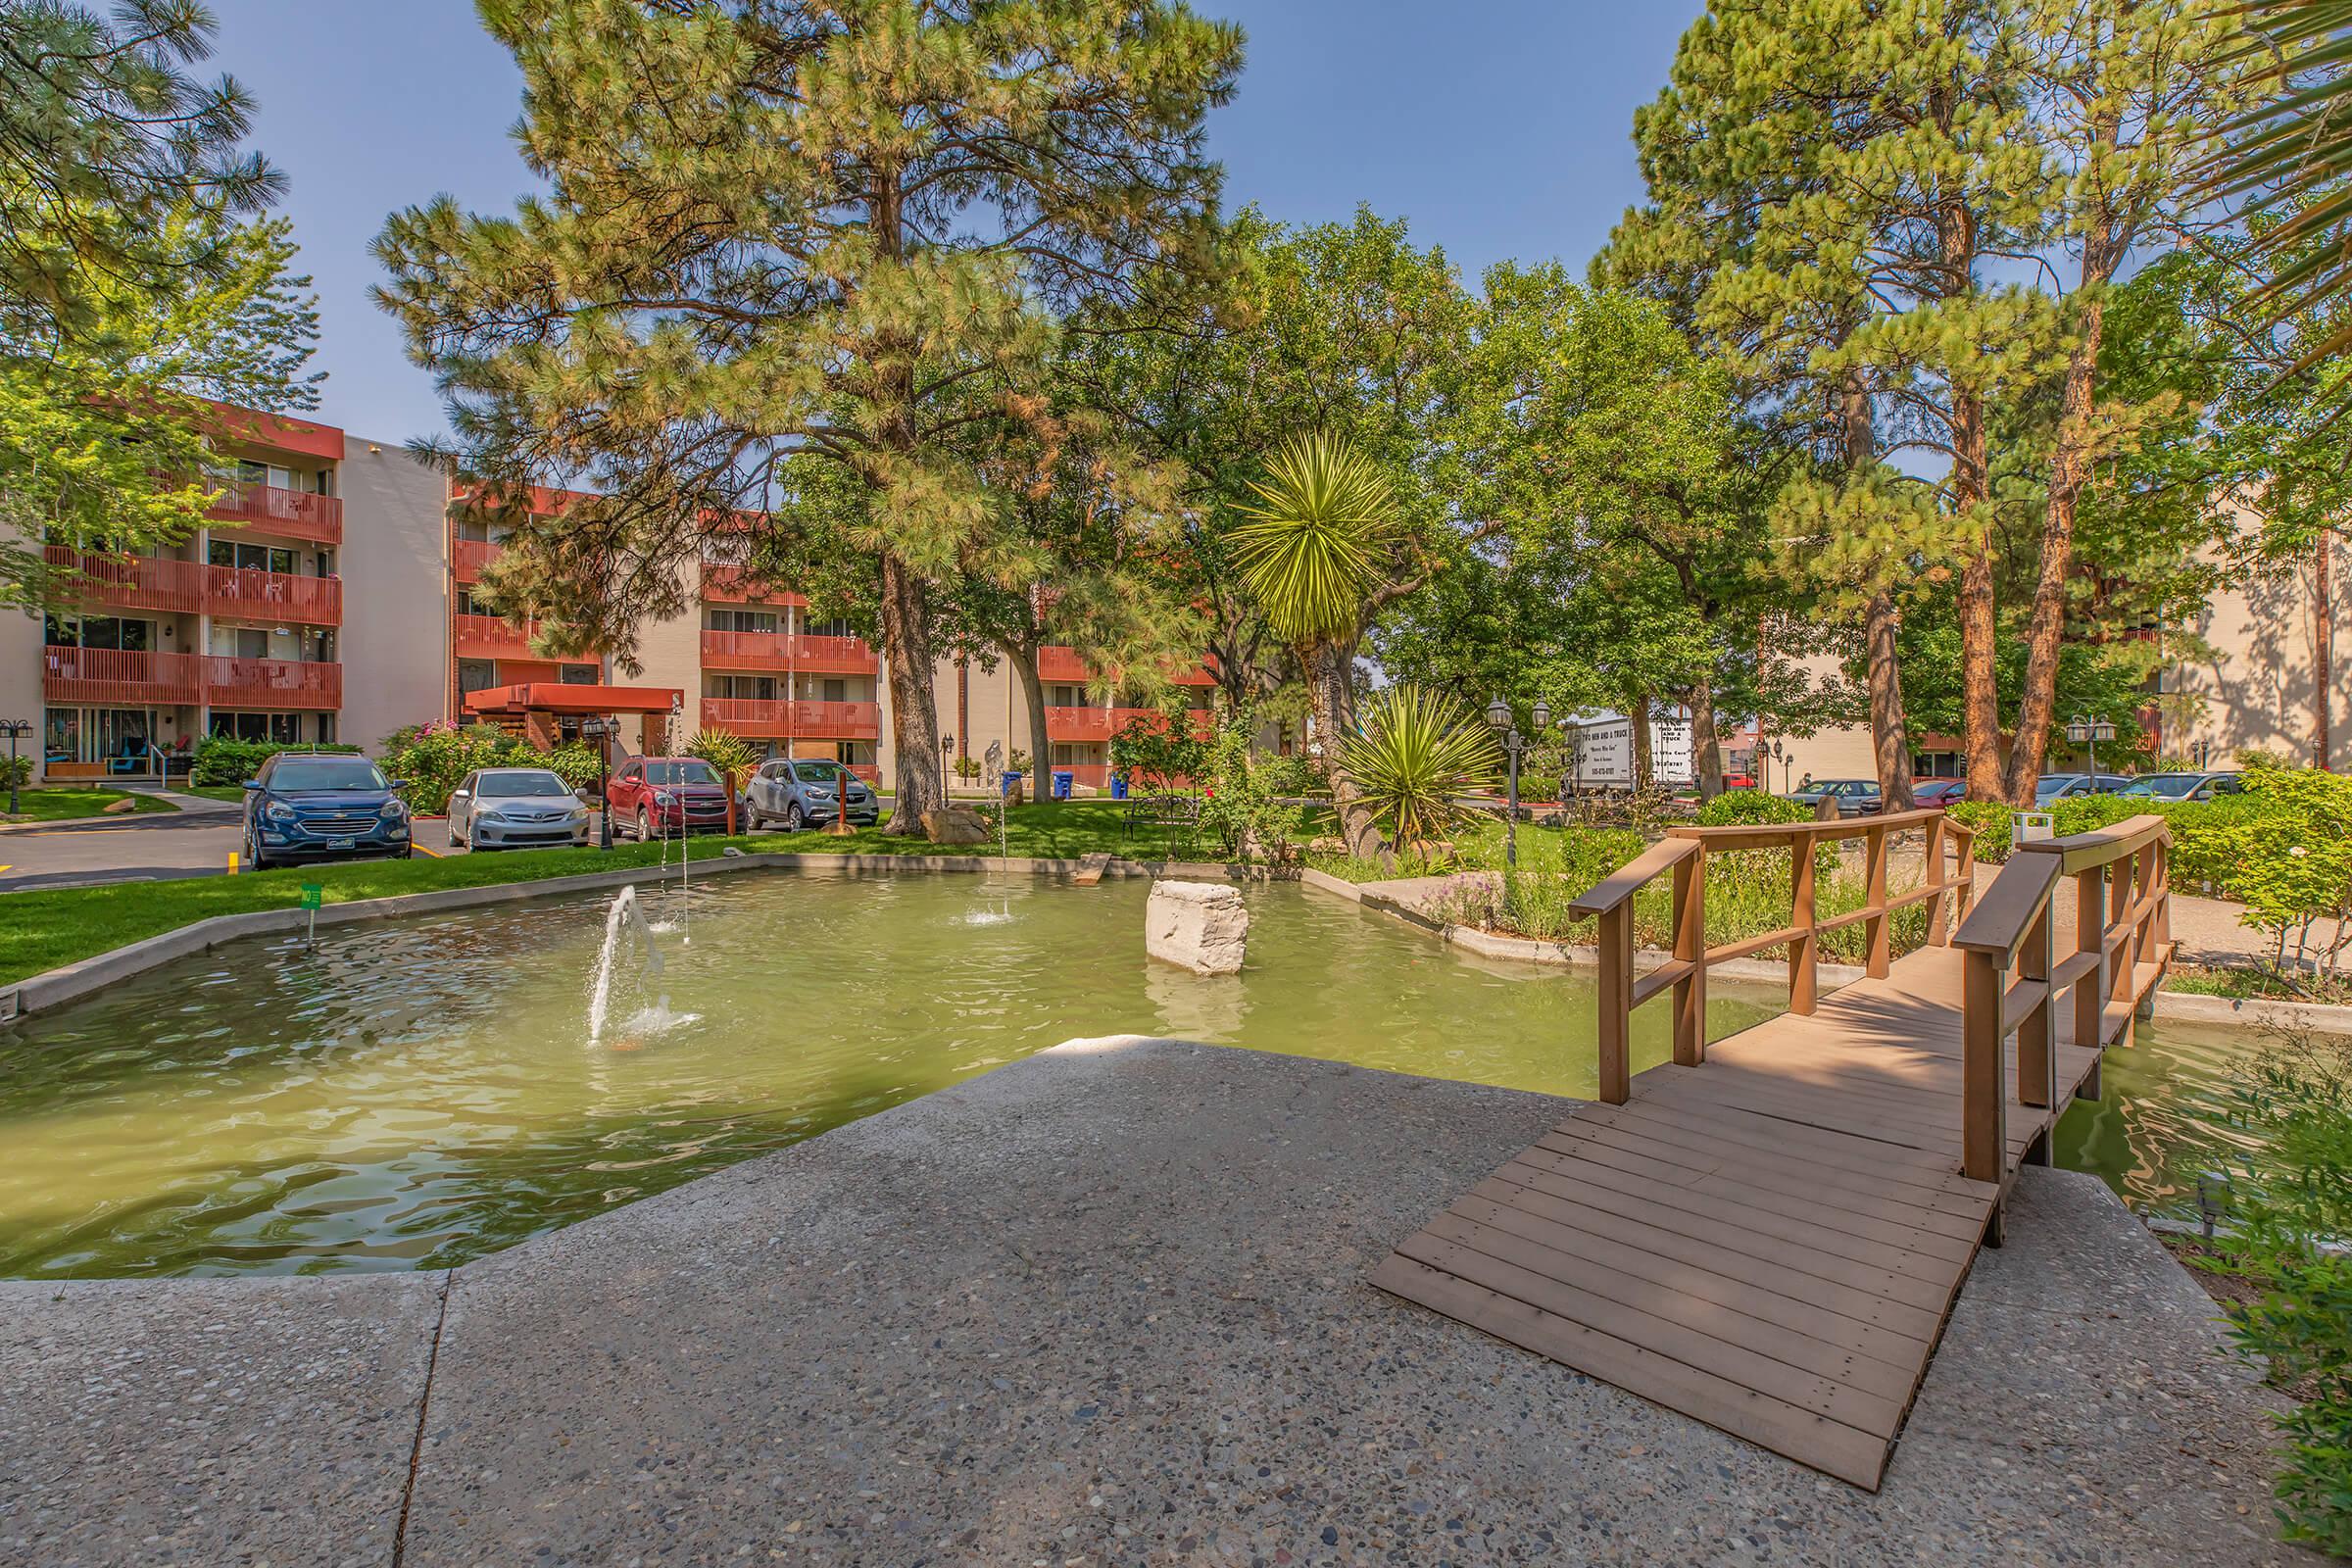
{"x": 551, "y": 697}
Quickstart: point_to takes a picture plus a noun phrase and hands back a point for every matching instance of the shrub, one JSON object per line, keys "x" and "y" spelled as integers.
{"x": 1737, "y": 807}
{"x": 1293, "y": 775}
{"x": 2292, "y": 1207}
{"x": 1242, "y": 807}
{"x": 1993, "y": 824}
{"x": 1155, "y": 751}
{"x": 1017, "y": 762}
{"x": 222, "y": 761}
{"x": 14, "y": 771}
{"x": 1418, "y": 752}
{"x": 723, "y": 750}
{"x": 1539, "y": 786}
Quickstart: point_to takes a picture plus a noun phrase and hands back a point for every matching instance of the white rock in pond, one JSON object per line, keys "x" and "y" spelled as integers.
{"x": 1202, "y": 926}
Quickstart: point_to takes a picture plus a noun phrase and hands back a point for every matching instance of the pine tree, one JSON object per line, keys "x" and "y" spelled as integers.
{"x": 785, "y": 232}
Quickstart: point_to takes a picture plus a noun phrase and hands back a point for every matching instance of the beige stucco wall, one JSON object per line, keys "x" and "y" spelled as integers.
{"x": 2257, "y": 686}
{"x": 20, "y": 680}
{"x": 395, "y": 641}
{"x": 671, "y": 652}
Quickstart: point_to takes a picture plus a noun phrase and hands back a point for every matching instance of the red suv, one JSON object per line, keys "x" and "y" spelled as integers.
{"x": 666, "y": 795}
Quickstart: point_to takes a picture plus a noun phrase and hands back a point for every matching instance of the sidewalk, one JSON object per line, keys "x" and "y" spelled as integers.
{"x": 2207, "y": 930}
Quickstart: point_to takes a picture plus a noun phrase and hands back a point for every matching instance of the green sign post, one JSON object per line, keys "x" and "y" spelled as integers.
{"x": 313, "y": 893}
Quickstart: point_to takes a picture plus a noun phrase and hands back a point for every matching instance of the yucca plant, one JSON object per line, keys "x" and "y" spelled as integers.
{"x": 1310, "y": 551}
{"x": 1419, "y": 752}
{"x": 723, "y": 750}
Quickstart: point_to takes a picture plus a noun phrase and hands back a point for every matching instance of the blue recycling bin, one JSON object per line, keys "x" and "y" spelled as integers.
{"x": 1063, "y": 783}
{"x": 1118, "y": 786}
{"x": 1013, "y": 785}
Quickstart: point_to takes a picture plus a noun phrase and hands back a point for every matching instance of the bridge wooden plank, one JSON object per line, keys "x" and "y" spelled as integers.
{"x": 1781, "y": 1170}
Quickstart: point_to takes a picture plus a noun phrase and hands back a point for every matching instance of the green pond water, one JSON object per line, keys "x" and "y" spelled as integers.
{"x": 419, "y": 1092}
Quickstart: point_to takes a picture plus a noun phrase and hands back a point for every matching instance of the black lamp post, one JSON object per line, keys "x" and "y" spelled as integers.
{"x": 13, "y": 728}
{"x": 2089, "y": 732}
{"x": 600, "y": 730}
{"x": 1514, "y": 744}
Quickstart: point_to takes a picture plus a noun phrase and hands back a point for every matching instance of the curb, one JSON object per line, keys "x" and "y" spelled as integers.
{"x": 2257, "y": 1012}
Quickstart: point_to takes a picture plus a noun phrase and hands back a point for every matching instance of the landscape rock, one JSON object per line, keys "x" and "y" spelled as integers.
{"x": 956, "y": 824}
{"x": 122, "y": 808}
{"x": 1202, "y": 926}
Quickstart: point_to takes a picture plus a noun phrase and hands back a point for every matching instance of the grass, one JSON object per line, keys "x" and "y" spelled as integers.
{"x": 63, "y": 803}
{"x": 43, "y": 928}
{"x": 2248, "y": 983}
{"x": 233, "y": 793}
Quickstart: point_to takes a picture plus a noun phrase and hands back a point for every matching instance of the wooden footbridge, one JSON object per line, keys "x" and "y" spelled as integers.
{"x": 1767, "y": 1232}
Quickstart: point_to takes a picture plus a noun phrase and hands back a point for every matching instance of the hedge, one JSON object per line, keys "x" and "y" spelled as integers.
{"x": 223, "y": 760}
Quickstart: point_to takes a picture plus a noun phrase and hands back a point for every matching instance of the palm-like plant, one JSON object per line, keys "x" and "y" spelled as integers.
{"x": 1418, "y": 752}
{"x": 2298, "y": 146}
{"x": 1310, "y": 551}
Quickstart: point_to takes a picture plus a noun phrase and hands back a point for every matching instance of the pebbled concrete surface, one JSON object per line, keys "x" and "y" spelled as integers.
{"x": 1105, "y": 1305}
{"x": 209, "y": 1422}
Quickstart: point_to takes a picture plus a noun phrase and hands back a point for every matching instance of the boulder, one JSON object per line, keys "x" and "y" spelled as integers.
{"x": 956, "y": 824}
{"x": 1200, "y": 926}
{"x": 122, "y": 808}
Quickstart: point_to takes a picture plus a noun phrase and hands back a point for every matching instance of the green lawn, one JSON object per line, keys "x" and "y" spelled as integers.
{"x": 234, "y": 793}
{"x": 41, "y": 929}
{"x": 59, "y": 803}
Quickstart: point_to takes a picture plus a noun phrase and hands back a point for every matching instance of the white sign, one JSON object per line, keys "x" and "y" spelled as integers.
{"x": 1603, "y": 748}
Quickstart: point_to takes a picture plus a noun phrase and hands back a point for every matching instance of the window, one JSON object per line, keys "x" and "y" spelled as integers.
{"x": 250, "y": 557}
{"x": 686, "y": 771}
{"x": 742, "y": 621}
{"x": 278, "y": 729}
{"x": 98, "y": 631}
{"x": 475, "y": 676}
{"x": 579, "y": 674}
{"x": 835, "y": 627}
{"x": 745, "y": 688}
{"x": 837, "y": 691}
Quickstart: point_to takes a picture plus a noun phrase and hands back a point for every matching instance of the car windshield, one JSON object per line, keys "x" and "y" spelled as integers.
{"x": 1849, "y": 786}
{"x": 817, "y": 772}
{"x": 2053, "y": 784}
{"x": 690, "y": 771}
{"x": 2164, "y": 784}
{"x": 338, "y": 773}
{"x": 523, "y": 782}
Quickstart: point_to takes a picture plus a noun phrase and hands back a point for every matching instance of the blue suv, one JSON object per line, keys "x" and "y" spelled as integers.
{"x": 317, "y": 807}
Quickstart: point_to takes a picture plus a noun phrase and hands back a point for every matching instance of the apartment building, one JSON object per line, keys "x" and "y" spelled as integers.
{"x": 332, "y": 597}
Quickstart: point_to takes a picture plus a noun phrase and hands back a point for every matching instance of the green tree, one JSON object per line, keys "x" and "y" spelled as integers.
{"x": 781, "y": 235}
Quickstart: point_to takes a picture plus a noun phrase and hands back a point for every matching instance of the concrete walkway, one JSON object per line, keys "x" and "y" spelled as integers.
{"x": 1105, "y": 1305}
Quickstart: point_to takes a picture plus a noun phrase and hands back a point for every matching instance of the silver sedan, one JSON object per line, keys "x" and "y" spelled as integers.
{"x": 516, "y": 808}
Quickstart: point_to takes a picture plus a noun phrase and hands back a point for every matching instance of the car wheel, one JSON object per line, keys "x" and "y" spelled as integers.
{"x": 450, "y": 830}
{"x": 645, "y": 827}
{"x": 794, "y": 818}
{"x": 253, "y": 854}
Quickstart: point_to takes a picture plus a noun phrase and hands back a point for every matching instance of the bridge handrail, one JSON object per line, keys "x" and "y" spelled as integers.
{"x": 1683, "y": 853}
{"x": 2122, "y": 945}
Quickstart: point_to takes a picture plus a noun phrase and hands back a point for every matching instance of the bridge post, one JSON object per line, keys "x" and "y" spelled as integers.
{"x": 1938, "y": 935}
{"x": 1616, "y": 1003}
{"x": 2037, "y": 1063}
{"x": 1691, "y": 946}
{"x": 2091, "y": 936}
{"x": 1983, "y": 1128}
{"x": 1879, "y": 950}
{"x": 1803, "y": 987}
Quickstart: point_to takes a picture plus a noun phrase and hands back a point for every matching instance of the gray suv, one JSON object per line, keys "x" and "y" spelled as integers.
{"x": 795, "y": 792}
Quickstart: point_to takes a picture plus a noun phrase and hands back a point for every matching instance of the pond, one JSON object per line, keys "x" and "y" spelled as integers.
{"x": 422, "y": 1091}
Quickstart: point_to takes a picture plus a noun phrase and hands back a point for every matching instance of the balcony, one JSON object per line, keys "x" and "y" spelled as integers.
{"x": 282, "y": 514}
{"x": 272, "y": 683}
{"x": 732, "y": 585}
{"x": 1079, "y": 725}
{"x": 120, "y": 676}
{"x": 1063, "y": 666}
{"x": 492, "y": 637}
{"x": 189, "y": 587}
{"x": 468, "y": 558}
{"x": 786, "y": 719}
{"x": 789, "y": 652}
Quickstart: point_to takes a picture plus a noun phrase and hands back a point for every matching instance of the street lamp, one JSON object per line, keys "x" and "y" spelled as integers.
{"x": 600, "y": 731}
{"x": 13, "y": 728}
{"x": 2089, "y": 732}
{"x": 1514, "y": 744}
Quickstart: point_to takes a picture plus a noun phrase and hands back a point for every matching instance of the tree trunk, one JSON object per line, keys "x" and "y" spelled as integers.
{"x": 1033, "y": 698}
{"x": 1637, "y": 713}
{"x": 1706, "y": 750}
{"x": 1332, "y": 704}
{"x": 907, "y": 664}
{"x": 1889, "y": 736}
{"x": 2323, "y": 652}
{"x": 2070, "y": 470}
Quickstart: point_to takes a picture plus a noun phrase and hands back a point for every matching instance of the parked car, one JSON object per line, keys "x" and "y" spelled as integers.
{"x": 2066, "y": 786}
{"x": 516, "y": 808}
{"x": 1856, "y": 797}
{"x": 807, "y": 792}
{"x": 1938, "y": 790}
{"x": 666, "y": 795}
{"x": 317, "y": 807}
{"x": 2184, "y": 786}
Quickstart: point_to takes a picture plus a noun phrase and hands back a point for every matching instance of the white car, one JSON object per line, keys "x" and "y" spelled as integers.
{"x": 516, "y": 808}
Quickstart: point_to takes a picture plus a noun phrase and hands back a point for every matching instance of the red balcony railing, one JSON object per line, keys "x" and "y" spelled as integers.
{"x": 145, "y": 582}
{"x": 491, "y": 637}
{"x": 272, "y": 683}
{"x": 844, "y": 721}
{"x": 733, "y": 585}
{"x": 788, "y": 651}
{"x": 468, "y": 558}
{"x": 1063, "y": 665}
{"x": 287, "y": 514}
{"x": 120, "y": 676}
{"x": 1082, "y": 725}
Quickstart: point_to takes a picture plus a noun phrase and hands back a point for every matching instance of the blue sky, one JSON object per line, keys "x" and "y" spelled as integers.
{"x": 1497, "y": 127}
